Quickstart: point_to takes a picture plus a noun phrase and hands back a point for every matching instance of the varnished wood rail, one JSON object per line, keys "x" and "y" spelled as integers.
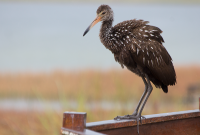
{"x": 174, "y": 123}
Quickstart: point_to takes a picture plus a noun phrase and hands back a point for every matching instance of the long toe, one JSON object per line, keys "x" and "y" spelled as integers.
{"x": 122, "y": 117}
{"x": 128, "y": 117}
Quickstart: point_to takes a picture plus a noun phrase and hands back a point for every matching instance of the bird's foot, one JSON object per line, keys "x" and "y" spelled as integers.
{"x": 134, "y": 116}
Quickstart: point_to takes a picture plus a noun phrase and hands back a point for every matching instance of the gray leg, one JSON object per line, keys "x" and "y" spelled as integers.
{"x": 145, "y": 96}
{"x": 142, "y": 98}
{"x": 149, "y": 90}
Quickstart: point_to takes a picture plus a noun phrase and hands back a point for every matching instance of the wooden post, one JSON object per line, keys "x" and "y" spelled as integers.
{"x": 74, "y": 123}
{"x": 74, "y": 120}
{"x": 199, "y": 103}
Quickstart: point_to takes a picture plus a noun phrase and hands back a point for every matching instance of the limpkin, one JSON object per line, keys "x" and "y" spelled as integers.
{"x": 137, "y": 46}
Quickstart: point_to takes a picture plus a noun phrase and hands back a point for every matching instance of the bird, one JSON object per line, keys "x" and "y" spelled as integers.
{"x": 137, "y": 46}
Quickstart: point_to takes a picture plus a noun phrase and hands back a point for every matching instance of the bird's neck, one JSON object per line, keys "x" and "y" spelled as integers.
{"x": 105, "y": 29}
{"x": 105, "y": 34}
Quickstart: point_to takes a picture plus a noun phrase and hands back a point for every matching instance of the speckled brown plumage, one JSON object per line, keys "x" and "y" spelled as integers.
{"x": 137, "y": 46}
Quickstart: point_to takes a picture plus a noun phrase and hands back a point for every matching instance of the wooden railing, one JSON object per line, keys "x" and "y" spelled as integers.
{"x": 174, "y": 123}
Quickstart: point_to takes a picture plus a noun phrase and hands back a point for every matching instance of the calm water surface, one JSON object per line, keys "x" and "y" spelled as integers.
{"x": 44, "y": 37}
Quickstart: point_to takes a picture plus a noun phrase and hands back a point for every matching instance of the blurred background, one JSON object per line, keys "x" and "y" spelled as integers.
{"x": 48, "y": 67}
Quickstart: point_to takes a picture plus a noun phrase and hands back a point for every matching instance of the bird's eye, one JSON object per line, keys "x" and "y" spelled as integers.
{"x": 103, "y": 13}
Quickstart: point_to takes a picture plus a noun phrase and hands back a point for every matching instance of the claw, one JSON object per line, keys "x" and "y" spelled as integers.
{"x": 140, "y": 121}
{"x": 141, "y": 117}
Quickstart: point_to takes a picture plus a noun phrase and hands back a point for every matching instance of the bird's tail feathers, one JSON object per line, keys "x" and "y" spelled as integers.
{"x": 165, "y": 88}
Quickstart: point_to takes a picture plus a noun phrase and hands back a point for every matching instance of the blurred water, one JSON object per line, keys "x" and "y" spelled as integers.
{"x": 40, "y": 105}
{"x": 48, "y": 36}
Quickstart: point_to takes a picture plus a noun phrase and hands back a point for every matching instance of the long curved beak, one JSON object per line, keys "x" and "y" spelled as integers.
{"x": 96, "y": 20}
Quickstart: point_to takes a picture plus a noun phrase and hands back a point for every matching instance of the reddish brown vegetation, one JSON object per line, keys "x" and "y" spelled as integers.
{"x": 86, "y": 86}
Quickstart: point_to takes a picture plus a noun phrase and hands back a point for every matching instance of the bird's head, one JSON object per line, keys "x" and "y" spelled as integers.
{"x": 104, "y": 13}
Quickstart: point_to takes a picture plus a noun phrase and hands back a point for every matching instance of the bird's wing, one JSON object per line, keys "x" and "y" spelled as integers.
{"x": 155, "y": 57}
{"x": 144, "y": 43}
